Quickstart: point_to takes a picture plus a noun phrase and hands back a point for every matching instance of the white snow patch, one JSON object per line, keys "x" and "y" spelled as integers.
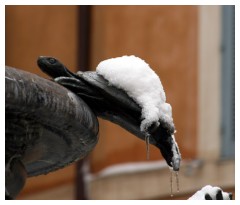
{"x": 212, "y": 191}
{"x": 140, "y": 82}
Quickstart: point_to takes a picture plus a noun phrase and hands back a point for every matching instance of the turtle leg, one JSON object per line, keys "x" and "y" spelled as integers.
{"x": 15, "y": 177}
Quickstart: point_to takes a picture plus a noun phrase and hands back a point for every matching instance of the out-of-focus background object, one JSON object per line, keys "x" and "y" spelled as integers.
{"x": 191, "y": 48}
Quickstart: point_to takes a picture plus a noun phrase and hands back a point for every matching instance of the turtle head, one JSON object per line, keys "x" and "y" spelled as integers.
{"x": 53, "y": 67}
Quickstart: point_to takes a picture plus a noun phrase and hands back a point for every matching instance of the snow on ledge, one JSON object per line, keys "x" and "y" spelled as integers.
{"x": 128, "y": 168}
{"x": 141, "y": 83}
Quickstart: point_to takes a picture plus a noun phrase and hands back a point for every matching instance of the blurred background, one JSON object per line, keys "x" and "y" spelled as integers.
{"x": 191, "y": 48}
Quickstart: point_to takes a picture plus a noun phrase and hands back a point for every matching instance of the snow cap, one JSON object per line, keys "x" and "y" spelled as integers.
{"x": 141, "y": 83}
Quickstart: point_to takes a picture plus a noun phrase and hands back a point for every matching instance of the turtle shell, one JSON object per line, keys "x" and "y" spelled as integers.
{"x": 110, "y": 92}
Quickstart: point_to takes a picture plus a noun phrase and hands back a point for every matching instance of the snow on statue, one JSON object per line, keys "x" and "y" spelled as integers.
{"x": 140, "y": 82}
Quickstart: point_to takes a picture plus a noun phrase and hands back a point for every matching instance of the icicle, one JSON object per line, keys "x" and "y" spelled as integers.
{"x": 171, "y": 182}
{"x": 177, "y": 180}
{"x": 147, "y": 136}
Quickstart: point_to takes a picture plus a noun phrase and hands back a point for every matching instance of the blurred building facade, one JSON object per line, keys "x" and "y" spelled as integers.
{"x": 191, "y": 48}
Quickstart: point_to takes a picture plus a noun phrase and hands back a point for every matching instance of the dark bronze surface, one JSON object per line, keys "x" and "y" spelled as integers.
{"x": 47, "y": 126}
